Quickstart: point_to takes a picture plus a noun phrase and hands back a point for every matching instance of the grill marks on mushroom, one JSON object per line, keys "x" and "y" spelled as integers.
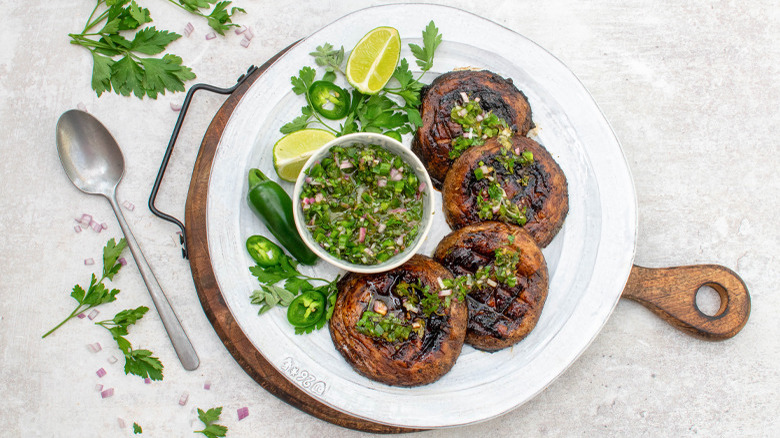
{"x": 499, "y": 316}
{"x": 419, "y": 360}
{"x": 432, "y": 142}
{"x": 540, "y": 188}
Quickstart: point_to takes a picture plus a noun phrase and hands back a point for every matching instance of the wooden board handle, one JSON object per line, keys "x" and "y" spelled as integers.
{"x": 671, "y": 294}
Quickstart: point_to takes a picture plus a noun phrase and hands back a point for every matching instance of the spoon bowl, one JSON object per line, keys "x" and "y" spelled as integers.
{"x": 89, "y": 153}
{"x": 95, "y": 165}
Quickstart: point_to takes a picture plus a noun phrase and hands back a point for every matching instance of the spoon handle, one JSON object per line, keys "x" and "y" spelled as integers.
{"x": 181, "y": 343}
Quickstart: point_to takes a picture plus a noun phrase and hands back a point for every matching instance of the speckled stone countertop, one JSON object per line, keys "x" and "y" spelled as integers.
{"x": 690, "y": 88}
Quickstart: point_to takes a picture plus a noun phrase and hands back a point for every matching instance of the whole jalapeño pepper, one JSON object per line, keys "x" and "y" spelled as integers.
{"x": 274, "y": 207}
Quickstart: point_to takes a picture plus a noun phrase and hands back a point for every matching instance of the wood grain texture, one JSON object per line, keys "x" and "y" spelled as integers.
{"x": 671, "y": 294}
{"x": 211, "y": 297}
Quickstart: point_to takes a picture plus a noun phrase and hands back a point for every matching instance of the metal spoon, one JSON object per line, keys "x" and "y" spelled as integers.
{"x": 94, "y": 163}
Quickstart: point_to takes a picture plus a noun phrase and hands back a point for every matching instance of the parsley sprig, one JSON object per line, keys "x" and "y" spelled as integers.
{"x": 294, "y": 283}
{"x": 209, "y": 418}
{"x": 380, "y": 112}
{"x": 138, "y": 362}
{"x": 97, "y": 293}
{"x": 219, "y": 19}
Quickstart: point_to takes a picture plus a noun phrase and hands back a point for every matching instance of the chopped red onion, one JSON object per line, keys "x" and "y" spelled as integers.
{"x": 248, "y": 34}
{"x": 211, "y": 35}
{"x": 188, "y": 29}
{"x": 381, "y": 182}
{"x": 496, "y": 209}
{"x": 104, "y": 225}
{"x": 112, "y": 359}
{"x": 183, "y": 399}
{"x": 381, "y": 228}
{"x": 395, "y": 175}
{"x": 396, "y": 210}
{"x": 175, "y": 106}
{"x": 96, "y": 226}
{"x": 400, "y": 240}
{"x": 242, "y": 413}
{"x": 245, "y": 42}
{"x": 101, "y": 372}
{"x": 77, "y": 228}
{"x": 122, "y": 261}
{"x": 89, "y": 261}
{"x": 98, "y": 387}
{"x": 147, "y": 380}
{"x": 345, "y": 164}
{"x": 95, "y": 347}
{"x": 421, "y": 188}
{"x": 464, "y": 97}
{"x": 318, "y": 197}
{"x": 240, "y": 30}
{"x": 107, "y": 393}
{"x": 129, "y": 205}
{"x": 121, "y": 423}
{"x": 445, "y": 292}
{"x": 82, "y": 107}
{"x": 491, "y": 282}
{"x": 85, "y": 220}
{"x": 362, "y": 234}
{"x": 207, "y": 385}
{"x": 94, "y": 313}
{"x": 81, "y": 315}
{"x": 440, "y": 281}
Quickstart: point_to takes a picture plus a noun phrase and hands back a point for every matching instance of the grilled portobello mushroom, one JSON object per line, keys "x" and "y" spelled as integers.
{"x": 500, "y": 315}
{"x": 380, "y": 325}
{"x": 433, "y": 140}
{"x": 535, "y": 194}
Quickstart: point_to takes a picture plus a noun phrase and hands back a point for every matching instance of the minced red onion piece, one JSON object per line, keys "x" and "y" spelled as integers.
{"x": 96, "y": 226}
{"x": 207, "y": 385}
{"x": 242, "y": 413}
{"x": 248, "y": 34}
{"x": 77, "y": 228}
{"x": 345, "y": 164}
{"x": 395, "y": 175}
{"x": 81, "y": 315}
{"x": 85, "y": 220}
{"x": 400, "y": 240}
{"x": 188, "y": 29}
{"x": 121, "y": 423}
{"x": 421, "y": 188}
{"x": 445, "y": 292}
{"x": 147, "y": 380}
{"x": 112, "y": 359}
{"x": 464, "y": 97}
{"x": 396, "y": 210}
{"x": 104, "y": 225}
{"x": 175, "y": 106}
{"x": 245, "y": 42}
{"x": 381, "y": 182}
{"x": 98, "y": 387}
{"x": 240, "y": 30}
{"x": 183, "y": 399}
{"x": 107, "y": 393}
{"x": 129, "y": 205}
{"x": 101, "y": 372}
{"x": 122, "y": 261}
{"x": 89, "y": 261}
{"x": 362, "y": 234}
{"x": 95, "y": 347}
{"x": 381, "y": 228}
{"x": 211, "y": 35}
{"x": 93, "y": 314}
{"x": 81, "y": 107}
{"x": 496, "y": 209}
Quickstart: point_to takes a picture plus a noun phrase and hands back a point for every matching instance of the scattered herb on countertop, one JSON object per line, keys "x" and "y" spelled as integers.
{"x": 294, "y": 283}
{"x": 209, "y": 419}
{"x": 219, "y": 19}
{"x": 375, "y": 113}
{"x": 127, "y": 66}
{"x": 362, "y": 204}
{"x": 138, "y": 362}
{"x": 97, "y": 293}
{"x": 137, "y": 429}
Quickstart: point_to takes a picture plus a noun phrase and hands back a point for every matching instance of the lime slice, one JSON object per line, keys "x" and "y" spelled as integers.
{"x": 292, "y": 151}
{"x": 373, "y": 60}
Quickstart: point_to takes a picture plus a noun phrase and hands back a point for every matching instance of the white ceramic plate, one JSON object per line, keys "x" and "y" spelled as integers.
{"x": 589, "y": 260}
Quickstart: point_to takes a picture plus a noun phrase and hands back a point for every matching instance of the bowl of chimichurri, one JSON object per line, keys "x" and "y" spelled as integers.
{"x": 363, "y": 202}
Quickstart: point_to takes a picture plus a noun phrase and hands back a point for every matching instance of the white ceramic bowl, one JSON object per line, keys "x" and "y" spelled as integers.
{"x": 397, "y": 148}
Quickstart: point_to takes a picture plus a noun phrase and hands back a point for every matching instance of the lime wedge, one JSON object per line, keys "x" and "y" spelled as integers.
{"x": 292, "y": 151}
{"x": 373, "y": 60}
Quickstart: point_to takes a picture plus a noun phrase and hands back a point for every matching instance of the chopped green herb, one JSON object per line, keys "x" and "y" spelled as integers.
{"x": 138, "y": 362}
{"x": 137, "y": 429}
{"x": 97, "y": 294}
{"x": 209, "y": 419}
{"x": 502, "y": 270}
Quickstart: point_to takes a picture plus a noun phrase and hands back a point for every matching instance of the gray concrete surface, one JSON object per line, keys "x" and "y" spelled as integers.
{"x": 691, "y": 89}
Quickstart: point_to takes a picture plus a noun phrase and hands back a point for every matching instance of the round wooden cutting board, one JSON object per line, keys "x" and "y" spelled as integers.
{"x": 668, "y": 292}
